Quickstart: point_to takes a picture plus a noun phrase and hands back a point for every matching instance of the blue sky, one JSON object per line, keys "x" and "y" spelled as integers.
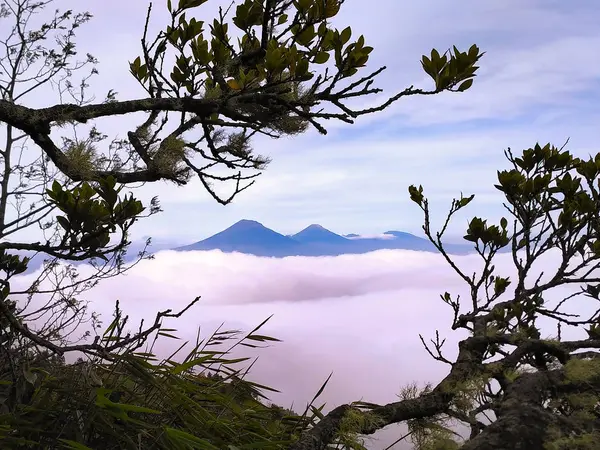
{"x": 539, "y": 81}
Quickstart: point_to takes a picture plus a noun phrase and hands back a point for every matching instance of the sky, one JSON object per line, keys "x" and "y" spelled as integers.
{"x": 360, "y": 315}
{"x": 538, "y": 82}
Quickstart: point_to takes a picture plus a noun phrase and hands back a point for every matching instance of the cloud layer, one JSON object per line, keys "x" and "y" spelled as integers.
{"x": 356, "y": 315}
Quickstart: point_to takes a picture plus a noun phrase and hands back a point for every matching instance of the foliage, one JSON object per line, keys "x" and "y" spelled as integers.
{"x": 133, "y": 400}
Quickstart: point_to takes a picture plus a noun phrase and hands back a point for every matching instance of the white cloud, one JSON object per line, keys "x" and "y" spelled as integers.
{"x": 373, "y": 236}
{"x": 356, "y": 315}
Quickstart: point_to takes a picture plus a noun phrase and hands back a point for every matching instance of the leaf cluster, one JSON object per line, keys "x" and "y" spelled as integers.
{"x": 92, "y": 214}
{"x": 201, "y": 400}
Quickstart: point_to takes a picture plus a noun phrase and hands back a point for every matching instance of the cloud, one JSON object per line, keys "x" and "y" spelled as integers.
{"x": 356, "y": 315}
{"x": 373, "y": 236}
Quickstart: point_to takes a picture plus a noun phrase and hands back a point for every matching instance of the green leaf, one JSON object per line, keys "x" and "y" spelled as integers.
{"x": 137, "y": 409}
{"x": 167, "y": 335}
{"x": 345, "y": 35}
{"x": 302, "y": 67}
{"x": 303, "y": 5}
{"x": 74, "y": 445}
{"x": 260, "y": 337}
{"x": 188, "y": 365}
{"x": 187, "y": 4}
{"x": 321, "y": 58}
{"x": 465, "y": 85}
{"x": 64, "y": 222}
{"x": 466, "y": 200}
{"x": 189, "y": 439}
{"x": 322, "y": 388}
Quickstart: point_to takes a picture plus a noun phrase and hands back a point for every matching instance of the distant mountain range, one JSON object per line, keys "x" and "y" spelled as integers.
{"x": 251, "y": 237}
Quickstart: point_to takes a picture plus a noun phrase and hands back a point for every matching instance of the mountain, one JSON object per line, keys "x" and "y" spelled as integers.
{"x": 251, "y": 237}
{"x": 317, "y": 234}
{"x": 248, "y": 236}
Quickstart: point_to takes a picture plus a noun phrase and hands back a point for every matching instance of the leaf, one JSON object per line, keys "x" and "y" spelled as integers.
{"x": 134, "y": 408}
{"x": 345, "y": 35}
{"x": 303, "y": 5}
{"x": 317, "y": 412}
{"x": 187, "y": 4}
{"x": 112, "y": 326}
{"x": 465, "y": 85}
{"x": 322, "y": 388}
{"x": 188, "y": 365}
{"x": 167, "y": 335}
{"x": 233, "y": 361}
{"x": 302, "y": 67}
{"x": 321, "y": 58}
{"x": 64, "y": 222}
{"x": 190, "y": 439}
{"x": 233, "y": 84}
{"x": 262, "y": 338}
{"x": 465, "y": 201}
{"x": 73, "y": 445}
{"x": 332, "y": 8}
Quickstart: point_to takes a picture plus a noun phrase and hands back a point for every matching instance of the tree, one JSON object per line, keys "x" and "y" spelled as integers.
{"x": 270, "y": 67}
{"x": 541, "y": 392}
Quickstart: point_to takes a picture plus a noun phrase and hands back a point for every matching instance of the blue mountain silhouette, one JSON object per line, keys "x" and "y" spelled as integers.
{"x": 248, "y": 236}
{"x": 251, "y": 237}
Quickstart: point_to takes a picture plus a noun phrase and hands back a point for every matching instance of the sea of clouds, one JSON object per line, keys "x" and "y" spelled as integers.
{"x": 358, "y": 316}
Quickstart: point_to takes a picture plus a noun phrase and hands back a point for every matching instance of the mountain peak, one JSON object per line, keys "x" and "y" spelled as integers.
{"x": 247, "y": 236}
{"x": 317, "y": 233}
{"x": 252, "y": 237}
{"x": 246, "y": 224}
